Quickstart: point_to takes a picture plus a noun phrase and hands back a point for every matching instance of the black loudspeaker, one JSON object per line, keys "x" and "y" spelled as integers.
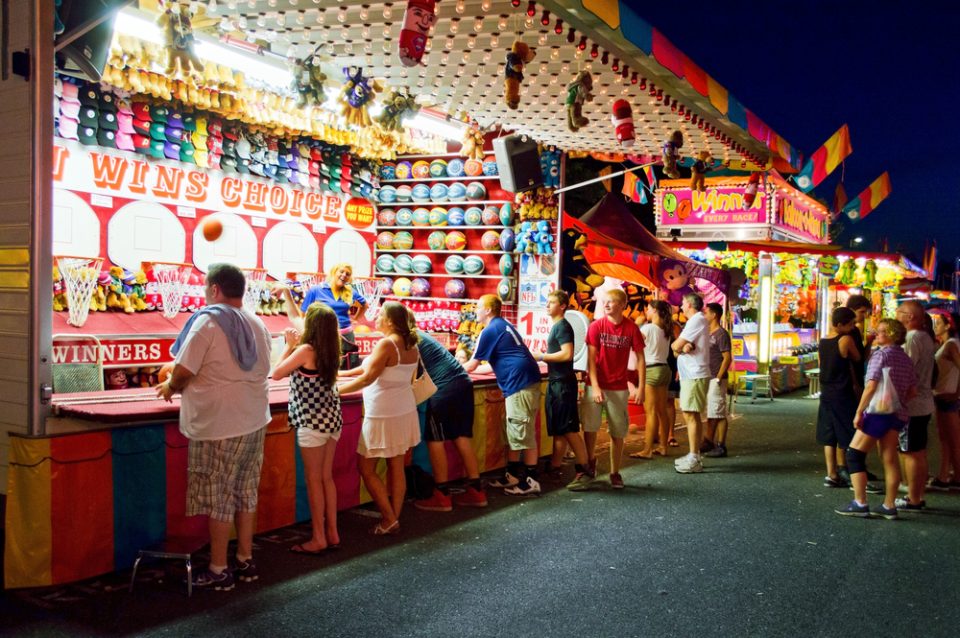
{"x": 518, "y": 161}
{"x": 88, "y": 33}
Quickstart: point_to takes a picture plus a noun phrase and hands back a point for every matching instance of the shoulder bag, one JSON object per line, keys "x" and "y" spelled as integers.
{"x": 423, "y": 385}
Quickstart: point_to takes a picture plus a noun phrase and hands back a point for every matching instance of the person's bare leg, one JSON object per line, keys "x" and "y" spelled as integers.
{"x": 650, "y": 425}
{"x": 330, "y": 494}
{"x": 830, "y": 458}
{"x": 438, "y": 461}
{"x": 915, "y": 467}
{"x": 864, "y": 443}
{"x": 219, "y": 539}
{"x": 720, "y": 434}
{"x": 316, "y": 496}
{"x": 710, "y": 431}
{"x": 531, "y": 456}
{"x": 693, "y": 431}
{"x": 663, "y": 418}
{"x": 616, "y": 454}
{"x": 671, "y": 418}
{"x": 891, "y": 468}
{"x": 590, "y": 442}
{"x": 245, "y": 522}
{"x": 559, "y": 450}
{"x": 397, "y": 483}
{"x": 377, "y": 490}
{"x": 464, "y": 446}
{"x": 575, "y": 442}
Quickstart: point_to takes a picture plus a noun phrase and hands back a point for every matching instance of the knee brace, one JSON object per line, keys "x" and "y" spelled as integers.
{"x": 856, "y": 461}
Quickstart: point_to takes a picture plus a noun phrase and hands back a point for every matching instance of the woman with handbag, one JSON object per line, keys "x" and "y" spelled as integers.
{"x": 890, "y": 383}
{"x": 946, "y": 398}
{"x": 839, "y": 393}
{"x": 390, "y": 422}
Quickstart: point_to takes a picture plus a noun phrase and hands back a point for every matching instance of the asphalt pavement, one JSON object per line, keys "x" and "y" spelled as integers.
{"x": 751, "y": 547}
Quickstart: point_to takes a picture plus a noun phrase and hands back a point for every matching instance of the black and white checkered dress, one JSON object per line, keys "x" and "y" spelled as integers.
{"x": 312, "y": 404}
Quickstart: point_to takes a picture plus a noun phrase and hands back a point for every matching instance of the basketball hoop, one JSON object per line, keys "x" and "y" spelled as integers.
{"x": 371, "y": 289}
{"x": 256, "y": 282}
{"x": 80, "y": 275}
{"x": 171, "y": 279}
{"x": 307, "y": 280}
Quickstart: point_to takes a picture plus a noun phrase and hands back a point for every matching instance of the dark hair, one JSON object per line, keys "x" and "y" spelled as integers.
{"x": 716, "y": 309}
{"x": 321, "y": 331}
{"x": 695, "y": 301}
{"x": 842, "y": 316}
{"x": 662, "y": 308}
{"x": 402, "y": 321}
{"x": 856, "y": 302}
{"x": 928, "y": 326}
{"x": 954, "y": 324}
{"x": 560, "y": 296}
{"x": 228, "y": 278}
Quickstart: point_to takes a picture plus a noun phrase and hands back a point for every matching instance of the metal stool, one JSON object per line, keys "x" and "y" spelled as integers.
{"x": 813, "y": 379}
{"x": 171, "y": 549}
{"x": 759, "y": 384}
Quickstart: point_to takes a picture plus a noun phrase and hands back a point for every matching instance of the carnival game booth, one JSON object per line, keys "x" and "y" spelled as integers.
{"x": 198, "y": 133}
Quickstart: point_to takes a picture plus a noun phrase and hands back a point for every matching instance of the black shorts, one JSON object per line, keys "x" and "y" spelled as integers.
{"x": 835, "y": 422}
{"x": 450, "y": 416}
{"x": 913, "y": 438}
{"x": 563, "y": 417}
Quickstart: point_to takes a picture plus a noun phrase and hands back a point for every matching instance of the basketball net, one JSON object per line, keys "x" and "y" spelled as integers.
{"x": 256, "y": 281}
{"x": 308, "y": 280}
{"x": 372, "y": 289}
{"x": 80, "y": 275}
{"x": 172, "y": 282}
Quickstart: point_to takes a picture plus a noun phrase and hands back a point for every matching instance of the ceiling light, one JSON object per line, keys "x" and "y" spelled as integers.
{"x": 445, "y": 128}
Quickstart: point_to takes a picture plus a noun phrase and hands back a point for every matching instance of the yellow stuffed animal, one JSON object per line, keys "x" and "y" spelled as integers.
{"x": 59, "y": 292}
{"x": 178, "y": 38}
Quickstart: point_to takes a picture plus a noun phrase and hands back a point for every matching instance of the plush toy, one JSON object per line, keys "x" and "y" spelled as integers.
{"x": 870, "y": 274}
{"x": 847, "y": 273}
{"x": 417, "y": 20}
{"x": 674, "y": 280}
{"x": 520, "y": 54}
{"x": 698, "y": 177}
{"x": 544, "y": 238}
{"x": 308, "y": 81}
{"x": 750, "y": 192}
{"x": 60, "y": 292}
{"x": 622, "y": 119}
{"x": 138, "y": 292}
{"x": 472, "y": 146}
{"x": 178, "y": 39}
{"x": 525, "y": 240}
{"x": 578, "y": 92}
{"x": 671, "y": 154}
{"x": 117, "y": 380}
{"x": 550, "y": 166}
{"x": 356, "y": 94}
{"x": 398, "y": 104}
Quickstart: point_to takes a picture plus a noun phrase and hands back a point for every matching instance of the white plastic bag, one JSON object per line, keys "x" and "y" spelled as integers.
{"x": 884, "y": 399}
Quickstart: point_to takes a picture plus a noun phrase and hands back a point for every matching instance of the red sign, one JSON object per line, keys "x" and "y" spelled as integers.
{"x": 115, "y": 352}
{"x": 358, "y": 212}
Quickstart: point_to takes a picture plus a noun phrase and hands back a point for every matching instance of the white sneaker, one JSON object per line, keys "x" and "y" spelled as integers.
{"x": 688, "y": 464}
{"x": 507, "y": 480}
{"x": 528, "y": 487}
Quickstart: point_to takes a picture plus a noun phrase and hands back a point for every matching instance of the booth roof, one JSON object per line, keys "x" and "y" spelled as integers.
{"x": 463, "y": 68}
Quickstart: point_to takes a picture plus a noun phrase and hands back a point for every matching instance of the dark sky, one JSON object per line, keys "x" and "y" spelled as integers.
{"x": 891, "y": 70}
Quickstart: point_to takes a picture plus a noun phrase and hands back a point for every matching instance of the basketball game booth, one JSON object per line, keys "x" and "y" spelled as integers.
{"x": 142, "y": 175}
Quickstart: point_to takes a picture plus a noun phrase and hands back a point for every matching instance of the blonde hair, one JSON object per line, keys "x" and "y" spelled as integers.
{"x": 618, "y": 293}
{"x": 491, "y": 303}
{"x": 895, "y": 330}
{"x": 346, "y": 293}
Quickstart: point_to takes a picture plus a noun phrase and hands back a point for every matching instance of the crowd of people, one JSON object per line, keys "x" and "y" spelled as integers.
{"x": 879, "y": 390}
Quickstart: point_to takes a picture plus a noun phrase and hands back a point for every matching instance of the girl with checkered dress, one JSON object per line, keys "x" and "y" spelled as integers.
{"x": 311, "y": 361}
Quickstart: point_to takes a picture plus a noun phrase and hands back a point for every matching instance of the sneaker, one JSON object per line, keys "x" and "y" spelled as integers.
{"x": 616, "y": 481}
{"x": 854, "y": 509}
{"x": 873, "y": 488}
{"x": 706, "y": 446}
{"x": 528, "y": 488}
{"x": 937, "y": 485}
{"x": 471, "y": 497}
{"x": 829, "y": 481}
{"x": 905, "y": 504}
{"x": 438, "y": 502}
{"x": 580, "y": 482}
{"x": 718, "y": 452}
{"x": 507, "y": 480}
{"x": 217, "y": 582}
{"x": 889, "y": 514}
{"x": 689, "y": 464}
{"x": 246, "y": 571}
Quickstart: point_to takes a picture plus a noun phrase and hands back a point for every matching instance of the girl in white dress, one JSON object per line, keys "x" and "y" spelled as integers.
{"x": 391, "y": 425}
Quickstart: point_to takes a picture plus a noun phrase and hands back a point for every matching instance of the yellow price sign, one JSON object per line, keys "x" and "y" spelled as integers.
{"x": 737, "y": 347}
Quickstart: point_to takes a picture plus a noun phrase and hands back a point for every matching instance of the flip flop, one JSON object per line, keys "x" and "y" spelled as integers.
{"x": 389, "y": 530}
{"x": 641, "y": 455}
{"x": 300, "y": 549}
{"x": 662, "y": 451}
{"x": 673, "y": 443}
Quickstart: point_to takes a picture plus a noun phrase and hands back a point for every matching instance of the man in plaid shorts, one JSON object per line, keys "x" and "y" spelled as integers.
{"x": 221, "y": 368}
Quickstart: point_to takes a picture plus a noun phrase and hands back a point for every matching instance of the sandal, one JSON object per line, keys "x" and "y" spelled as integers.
{"x": 641, "y": 455}
{"x": 673, "y": 443}
{"x": 389, "y": 530}
{"x": 662, "y": 451}
{"x": 300, "y": 549}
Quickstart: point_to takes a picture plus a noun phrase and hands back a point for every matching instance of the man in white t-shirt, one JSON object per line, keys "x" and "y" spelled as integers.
{"x": 221, "y": 369}
{"x": 692, "y": 348}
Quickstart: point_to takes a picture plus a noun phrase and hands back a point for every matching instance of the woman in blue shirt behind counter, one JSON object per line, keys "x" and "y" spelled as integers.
{"x": 338, "y": 293}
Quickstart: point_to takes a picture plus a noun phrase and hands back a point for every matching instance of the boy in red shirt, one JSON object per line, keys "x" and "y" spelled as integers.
{"x": 609, "y": 342}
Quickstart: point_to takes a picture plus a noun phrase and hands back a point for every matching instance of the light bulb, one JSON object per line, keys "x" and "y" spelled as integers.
{"x": 454, "y": 25}
{"x": 364, "y": 12}
{"x": 494, "y": 40}
{"x": 461, "y": 7}
{"x": 478, "y": 24}
{"x": 502, "y": 23}
{"x": 342, "y": 15}
{"x": 387, "y": 11}
{"x": 485, "y": 5}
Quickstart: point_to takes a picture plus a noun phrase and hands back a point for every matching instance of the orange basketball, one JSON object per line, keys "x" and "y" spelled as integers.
{"x": 164, "y": 373}
{"x": 212, "y": 229}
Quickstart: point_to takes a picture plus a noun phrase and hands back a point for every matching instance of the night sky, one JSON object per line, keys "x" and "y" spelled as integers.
{"x": 891, "y": 70}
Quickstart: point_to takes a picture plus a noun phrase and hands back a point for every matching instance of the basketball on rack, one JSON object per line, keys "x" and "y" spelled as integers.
{"x": 212, "y": 228}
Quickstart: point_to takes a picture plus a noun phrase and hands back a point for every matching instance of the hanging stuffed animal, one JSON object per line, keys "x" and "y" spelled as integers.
{"x": 308, "y": 81}
{"x": 550, "y": 166}
{"x": 698, "y": 178}
{"x": 398, "y": 105}
{"x": 847, "y": 273}
{"x": 674, "y": 280}
{"x": 472, "y": 145}
{"x": 750, "y": 192}
{"x": 870, "y": 274}
{"x": 519, "y": 55}
{"x": 671, "y": 154}
{"x": 578, "y": 92}
{"x": 178, "y": 39}
{"x": 622, "y": 119}
{"x": 417, "y": 20}
{"x": 356, "y": 95}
